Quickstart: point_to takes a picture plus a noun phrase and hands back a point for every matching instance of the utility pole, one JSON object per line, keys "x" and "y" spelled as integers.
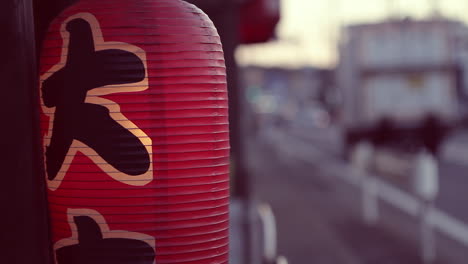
{"x": 335, "y": 25}
{"x": 391, "y": 6}
{"x": 435, "y": 8}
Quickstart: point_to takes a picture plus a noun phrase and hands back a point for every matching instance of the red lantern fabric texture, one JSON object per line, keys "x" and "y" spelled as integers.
{"x": 134, "y": 121}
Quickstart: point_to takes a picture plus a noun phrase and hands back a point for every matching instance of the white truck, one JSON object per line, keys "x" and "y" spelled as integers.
{"x": 398, "y": 80}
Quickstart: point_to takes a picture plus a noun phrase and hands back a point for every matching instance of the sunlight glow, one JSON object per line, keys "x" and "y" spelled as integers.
{"x": 308, "y": 31}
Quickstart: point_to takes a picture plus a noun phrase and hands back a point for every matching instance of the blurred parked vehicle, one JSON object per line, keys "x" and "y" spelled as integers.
{"x": 398, "y": 80}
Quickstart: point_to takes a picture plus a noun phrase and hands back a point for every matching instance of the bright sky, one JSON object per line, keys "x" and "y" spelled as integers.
{"x": 308, "y": 31}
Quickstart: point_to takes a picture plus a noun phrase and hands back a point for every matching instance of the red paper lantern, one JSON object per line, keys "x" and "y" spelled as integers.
{"x": 258, "y": 20}
{"x": 135, "y": 128}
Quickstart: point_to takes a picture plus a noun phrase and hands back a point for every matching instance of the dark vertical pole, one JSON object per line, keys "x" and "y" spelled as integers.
{"x": 226, "y": 15}
{"x": 229, "y": 32}
{"x": 241, "y": 180}
{"x": 23, "y": 221}
{"x": 227, "y": 23}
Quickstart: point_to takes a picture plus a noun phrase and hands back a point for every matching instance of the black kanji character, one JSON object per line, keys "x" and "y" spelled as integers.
{"x": 66, "y": 90}
{"x": 93, "y": 248}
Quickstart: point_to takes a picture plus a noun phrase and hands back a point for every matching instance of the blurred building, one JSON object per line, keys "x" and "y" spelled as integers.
{"x": 401, "y": 80}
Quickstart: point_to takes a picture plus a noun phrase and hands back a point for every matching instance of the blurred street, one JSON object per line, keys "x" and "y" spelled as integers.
{"x": 362, "y": 159}
{"x": 316, "y": 198}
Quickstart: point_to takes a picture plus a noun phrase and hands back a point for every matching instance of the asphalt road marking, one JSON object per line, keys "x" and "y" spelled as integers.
{"x": 269, "y": 231}
{"x": 281, "y": 260}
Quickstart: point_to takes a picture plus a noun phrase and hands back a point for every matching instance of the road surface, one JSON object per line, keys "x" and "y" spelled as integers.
{"x": 317, "y": 200}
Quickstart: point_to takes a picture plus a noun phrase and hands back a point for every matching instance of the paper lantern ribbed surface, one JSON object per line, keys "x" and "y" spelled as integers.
{"x": 135, "y": 132}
